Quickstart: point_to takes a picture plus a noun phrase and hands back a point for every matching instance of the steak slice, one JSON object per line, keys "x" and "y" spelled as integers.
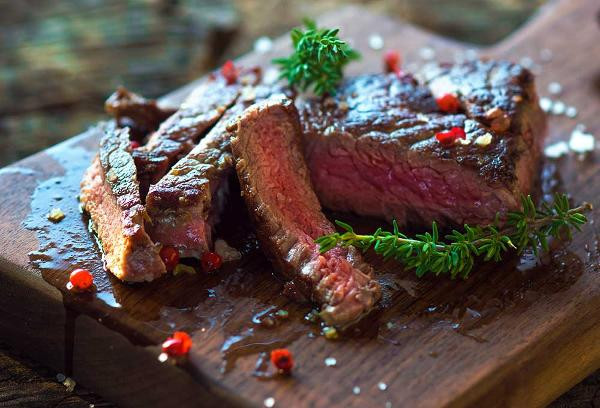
{"x": 287, "y": 215}
{"x": 110, "y": 194}
{"x": 186, "y": 203}
{"x": 141, "y": 115}
{"x": 372, "y": 150}
{"x": 177, "y": 135}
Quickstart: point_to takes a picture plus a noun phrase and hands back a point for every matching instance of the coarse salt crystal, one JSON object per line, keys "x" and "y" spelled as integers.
{"x": 546, "y": 104}
{"x": 484, "y": 140}
{"x": 382, "y": 386}
{"x": 162, "y": 357}
{"x": 356, "y": 390}
{"x": 263, "y": 45}
{"x": 556, "y": 150}
{"x": 558, "y": 108}
{"x": 375, "y": 41}
{"x": 330, "y": 362}
{"x": 270, "y": 402}
{"x": 388, "y": 404}
{"x": 571, "y": 112}
{"x": 581, "y": 142}
{"x": 554, "y": 88}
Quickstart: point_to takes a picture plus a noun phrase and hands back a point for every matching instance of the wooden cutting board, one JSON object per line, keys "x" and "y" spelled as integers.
{"x": 517, "y": 333}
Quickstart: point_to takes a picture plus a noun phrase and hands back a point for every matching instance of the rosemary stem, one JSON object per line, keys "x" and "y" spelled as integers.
{"x": 456, "y": 254}
{"x": 534, "y": 224}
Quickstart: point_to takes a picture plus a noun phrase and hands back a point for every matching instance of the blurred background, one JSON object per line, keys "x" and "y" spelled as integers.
{"x": 59, "y": 60}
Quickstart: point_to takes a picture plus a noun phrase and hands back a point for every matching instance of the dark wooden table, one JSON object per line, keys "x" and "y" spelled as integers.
{"x": 25, "y": 383}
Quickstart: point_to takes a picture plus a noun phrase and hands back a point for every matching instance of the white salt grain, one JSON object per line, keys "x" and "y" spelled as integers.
{"x": 388, "y": 404}
{"x": 581, "y": 142}
{"x": 262, "y": 45}
{"x": 382, "y": 386}
{"x": 375, "y": 41}
{"x": 558, "y": 108}
{"x": 356, "y": 390}
{"x": 571, "y": 112}
{"x": 554, "y": 88}
{"x": 546, "y": 104}
{"x": 330, "y": 362}
{"x": 556, "y": 150}
{"x": 270, "y": 402}
{"x": 162, "y": 357}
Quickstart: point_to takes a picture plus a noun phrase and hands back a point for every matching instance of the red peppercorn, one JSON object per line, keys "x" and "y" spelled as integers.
{"x": 448, "y": 138}
{"x": 170, "y": 256}
{"x": 81, "y": 279}
{"x": 448, "y": 103}
{"x": 229, "y": 72}
{"x": 392, "y": 61}
{"x": 178, "y": 344}
{"x": 134, "y": 144}
{"x": 283, "y": 360}
{"x": 211, "y": 261}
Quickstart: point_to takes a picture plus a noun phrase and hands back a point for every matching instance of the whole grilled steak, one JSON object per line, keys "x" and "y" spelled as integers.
{"x": 186, "y": 203}
{"x": 110, "y": 194}
{"x": 287, "y": 215}
{"x": 177, "y": 135}
{"x": 372, "y": 149}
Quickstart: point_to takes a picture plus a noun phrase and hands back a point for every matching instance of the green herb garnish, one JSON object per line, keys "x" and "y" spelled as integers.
{"x": 318, "y": 59}
{"x": 528, "y": 228}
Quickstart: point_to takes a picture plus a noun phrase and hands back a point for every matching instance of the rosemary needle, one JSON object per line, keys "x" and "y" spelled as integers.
{"x": 426, "y": 253}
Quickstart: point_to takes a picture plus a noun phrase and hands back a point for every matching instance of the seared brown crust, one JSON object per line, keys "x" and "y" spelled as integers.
{"x": 177, "y": 135}
{"x": 141, "y": 115}
{"x": 287, "y": 214}
{"x": 110, "y": 194}
{"x": 383, "y": 125}
{"x": 186, "y": 203}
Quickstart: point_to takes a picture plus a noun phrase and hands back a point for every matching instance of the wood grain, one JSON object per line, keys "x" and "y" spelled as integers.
{"x": 514, "y": 334}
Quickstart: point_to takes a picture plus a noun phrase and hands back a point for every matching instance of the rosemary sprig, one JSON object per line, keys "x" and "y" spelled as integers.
{"x": 318, "y": 59}
{"x": 426, "y": 253}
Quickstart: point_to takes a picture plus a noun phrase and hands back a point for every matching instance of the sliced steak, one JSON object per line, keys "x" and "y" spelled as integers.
{"x": 177, "y": 135}
{"x": 372, "y": 149}
{"x": 141, "y": 115}
{"x": 110, "y": 194}
{"x": 287, "y": 215}
{"x": 186, "y": 203}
